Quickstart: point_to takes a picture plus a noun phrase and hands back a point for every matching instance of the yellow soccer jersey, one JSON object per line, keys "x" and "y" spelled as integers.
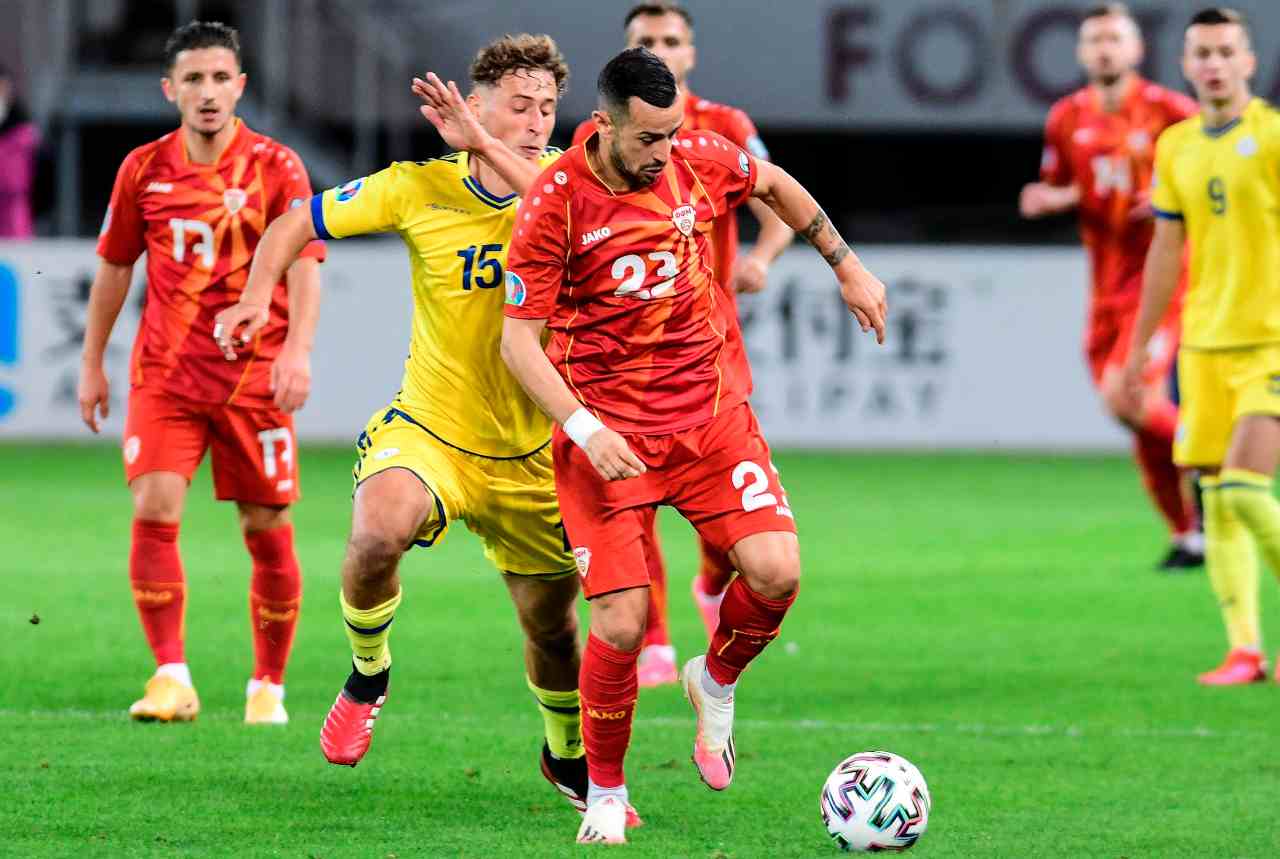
{"x": 455, "y": 382}
{"x": 1224, "y": 184}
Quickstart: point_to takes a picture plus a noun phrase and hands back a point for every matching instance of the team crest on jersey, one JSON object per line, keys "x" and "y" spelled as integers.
{"x": 1247, "y": 146}
{"x": 684, "y": 218}
{"x": 233, "y": 199}
{"x": 515, "y": 289}
{"x": 582, "y": 557}
{"x": 349, "y": 190}
{"x": 1139, "y": 141}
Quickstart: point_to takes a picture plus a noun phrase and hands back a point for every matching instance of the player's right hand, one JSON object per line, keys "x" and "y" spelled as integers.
{"x": 252, "y": 316}
{"x": 864, "y": 295}
{"x": 611, "y": 456}
{"x": 94, "y": 395}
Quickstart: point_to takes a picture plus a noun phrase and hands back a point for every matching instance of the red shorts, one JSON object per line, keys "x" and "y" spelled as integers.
{"x": 1110, "y": 332}
{"x": 254, "y": 455}
{"x": 718, "y": 475}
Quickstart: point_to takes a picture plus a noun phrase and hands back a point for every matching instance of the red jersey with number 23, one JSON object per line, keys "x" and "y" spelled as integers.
{"x": 638, "y": 325}
{"x": 199, "y": 225}
{"x": 1110, "y": 155}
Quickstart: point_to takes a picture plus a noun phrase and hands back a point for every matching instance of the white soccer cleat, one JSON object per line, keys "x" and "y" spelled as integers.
{"x": 605, "y": 822}
{"x": 713, "y": 749}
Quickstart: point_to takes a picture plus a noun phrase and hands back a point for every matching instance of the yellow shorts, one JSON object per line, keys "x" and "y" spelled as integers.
{"x": 509, "y": 503}
{"x": 1217, "y": 387}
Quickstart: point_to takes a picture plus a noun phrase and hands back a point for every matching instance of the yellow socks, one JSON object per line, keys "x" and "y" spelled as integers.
{"x": 562, "y": 720}
{"x": 1249, "y": 496}
{"x": 1230, "y": 558}
{"x": 368, "y": 629}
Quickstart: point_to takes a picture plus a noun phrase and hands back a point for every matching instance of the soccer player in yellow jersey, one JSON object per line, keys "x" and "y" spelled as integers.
{"x": 461, "y": 441}
{"x": 1217, "y": 191}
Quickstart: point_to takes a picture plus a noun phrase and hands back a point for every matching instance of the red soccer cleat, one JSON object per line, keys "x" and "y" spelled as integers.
{"x": 1242, "y": 665}
{"x": 348, "y": 729}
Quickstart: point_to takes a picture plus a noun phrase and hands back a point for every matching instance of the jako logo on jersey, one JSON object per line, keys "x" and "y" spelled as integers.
{"x": 161, "y": 187}
{"x": 582, "y": 557}
{"x": 348, "y": 191}
{"x": 8, "y": 332}
{"x": 684, "y": 218}
{"x": 234, "y": 199}
{"x": 595, "y": 236}
{"x": 515, "y": 289}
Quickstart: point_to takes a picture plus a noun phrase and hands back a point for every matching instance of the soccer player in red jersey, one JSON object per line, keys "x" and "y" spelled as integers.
{"x": 1098, "y": 159}
{"x": 666, "y": 29}
{"x": 197, "y": 201}
{"x": 611, "y": 259}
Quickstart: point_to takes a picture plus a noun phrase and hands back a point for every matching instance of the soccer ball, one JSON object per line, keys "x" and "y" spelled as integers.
{"x": 875, "y": 801}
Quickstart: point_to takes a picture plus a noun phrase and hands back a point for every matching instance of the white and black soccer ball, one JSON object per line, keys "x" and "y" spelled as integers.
{"x": 875, "y": 801}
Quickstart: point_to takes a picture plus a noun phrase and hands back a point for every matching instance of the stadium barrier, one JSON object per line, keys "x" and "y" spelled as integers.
{"x": 983, "y": 350}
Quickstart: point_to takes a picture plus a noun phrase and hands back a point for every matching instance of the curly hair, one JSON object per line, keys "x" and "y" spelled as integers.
{"x": 516, "y": 53}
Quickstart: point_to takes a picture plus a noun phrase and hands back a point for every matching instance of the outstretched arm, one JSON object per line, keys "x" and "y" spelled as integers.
{"x": 446, "y": 109}
{"x": 522, "y": 351}
{"x": 863, "y": 293}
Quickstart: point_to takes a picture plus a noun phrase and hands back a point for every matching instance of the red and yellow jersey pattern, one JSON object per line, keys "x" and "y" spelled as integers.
{"x": 1110, "y": 155}
{"x": 199, "y": 225}
{"x": 638, "y": 325}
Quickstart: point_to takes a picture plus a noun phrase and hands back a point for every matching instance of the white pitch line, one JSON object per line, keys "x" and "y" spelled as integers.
{"x": 973, "y": 729}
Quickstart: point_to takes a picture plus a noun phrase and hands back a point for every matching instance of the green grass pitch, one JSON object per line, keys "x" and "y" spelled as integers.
{"x": 994, "y": 619}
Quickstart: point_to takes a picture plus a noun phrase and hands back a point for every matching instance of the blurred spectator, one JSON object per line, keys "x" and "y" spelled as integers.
{"x": 19, "y": 140}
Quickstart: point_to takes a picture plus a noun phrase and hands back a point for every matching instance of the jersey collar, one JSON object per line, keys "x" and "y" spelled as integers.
{"x": 1224, "y": 130}
{"x": 233, "y": 147}
{"x": 481, "y": 193}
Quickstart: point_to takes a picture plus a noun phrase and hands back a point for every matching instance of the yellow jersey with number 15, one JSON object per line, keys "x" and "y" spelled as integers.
{"x": 457, "y": 233}
{"x": 1224, "y": 184}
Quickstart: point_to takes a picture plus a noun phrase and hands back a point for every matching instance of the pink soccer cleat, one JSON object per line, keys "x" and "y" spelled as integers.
{"x": 656, "y": 665}
{"x": 348, "y": 729}
{"x": 1243, "y": 665}
{"x": 713, "y": 750}
{"x": 708, "y": 608}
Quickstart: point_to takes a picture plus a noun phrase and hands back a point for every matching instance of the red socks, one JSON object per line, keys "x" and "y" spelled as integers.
{"x": 159, "y": 588}
{"x": 1163, "y": 480}
{"x": 748, "y": 622}
{"x": 656, "y": 628}
{"x": 714, "y": 571}
{"x": 607, "y": 688}
{"x": 275, "y": 593}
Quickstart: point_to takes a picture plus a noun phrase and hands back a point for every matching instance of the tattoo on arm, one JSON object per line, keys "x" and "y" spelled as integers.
{"x": 820, "y": 229}
{"x": 812, "y": 231}
{"x": 833, "y": 259}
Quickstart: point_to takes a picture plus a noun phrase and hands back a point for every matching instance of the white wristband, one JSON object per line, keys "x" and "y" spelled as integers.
{"x": 581, "y": 426}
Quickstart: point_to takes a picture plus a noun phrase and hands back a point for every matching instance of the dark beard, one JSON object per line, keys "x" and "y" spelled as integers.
{"x": 634, "y": 181}
{"x": 1109, "y": 79}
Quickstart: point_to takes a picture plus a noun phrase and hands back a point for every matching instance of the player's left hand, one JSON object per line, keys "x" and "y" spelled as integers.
{"x": 864, "y": 295}
{"x": 291, "y": 378}
{"x": 750, "y": 274}
{"x": 252, "y": 316}
{"x": 446, "y": 109}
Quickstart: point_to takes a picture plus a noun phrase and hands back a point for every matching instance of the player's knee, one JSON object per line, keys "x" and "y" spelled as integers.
{"x": 372, "y": 556}
{"x": 258, "y": 517}
{"x": 157, "y": 498}
{"x": 557, "y": 638}
{"x": 773, "y": 570}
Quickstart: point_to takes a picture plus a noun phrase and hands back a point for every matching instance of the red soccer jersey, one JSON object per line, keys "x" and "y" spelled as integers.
{"x": 199, "y": 225}
{"x": 639, "y": 328}
{"x": 1111, "y": 156}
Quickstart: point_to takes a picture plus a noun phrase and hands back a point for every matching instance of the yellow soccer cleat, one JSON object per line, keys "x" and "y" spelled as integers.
{"x": 264, "y": 707}
{"x": 166, "y": 700}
